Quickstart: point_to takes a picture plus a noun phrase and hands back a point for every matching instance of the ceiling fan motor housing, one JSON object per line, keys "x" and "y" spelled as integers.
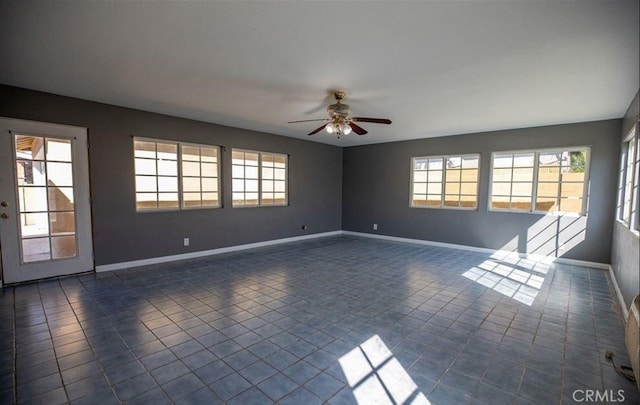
{"x": 339, "y": 110}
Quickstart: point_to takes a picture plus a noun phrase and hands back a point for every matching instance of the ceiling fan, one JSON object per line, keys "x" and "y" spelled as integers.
{"x": 340, "y": 121}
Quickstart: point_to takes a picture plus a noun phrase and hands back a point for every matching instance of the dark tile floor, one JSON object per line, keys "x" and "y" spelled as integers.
{"x": 339, "y": 320}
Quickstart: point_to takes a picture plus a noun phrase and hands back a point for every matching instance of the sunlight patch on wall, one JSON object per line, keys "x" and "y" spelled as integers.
{"x": 556, "y": 235}
{"x": 512, "y": 245}
{"x": 517, "y": 278}
{"x": 376, "y": 377}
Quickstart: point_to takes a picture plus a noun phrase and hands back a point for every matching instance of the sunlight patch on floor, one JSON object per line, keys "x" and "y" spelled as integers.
{"x": 517, "y": 278}
{"x": 377, "y": 377}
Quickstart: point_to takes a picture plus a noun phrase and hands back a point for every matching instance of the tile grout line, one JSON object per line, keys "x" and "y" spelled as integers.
{"x": 86, "y": 338}
{"x": 15, "y": 349}
{"x": 46, "y": 317}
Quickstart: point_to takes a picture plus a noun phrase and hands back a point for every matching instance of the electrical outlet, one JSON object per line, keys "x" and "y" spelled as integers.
{"x": 375, "y": 227}
{"x": 186, "y": 241}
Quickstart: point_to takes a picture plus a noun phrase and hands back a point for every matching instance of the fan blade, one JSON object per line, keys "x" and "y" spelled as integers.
{"x": 319, "y": 119}
{"x": 357, "y": 129}
{"x": 320, "y": 128}
{"x": 374, "y": 120}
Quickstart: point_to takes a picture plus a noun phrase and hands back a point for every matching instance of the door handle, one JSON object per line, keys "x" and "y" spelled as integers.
{"x": 4, "y": 215}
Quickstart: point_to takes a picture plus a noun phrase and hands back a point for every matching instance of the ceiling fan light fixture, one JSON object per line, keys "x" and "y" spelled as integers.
{"x": 340, "y": 121}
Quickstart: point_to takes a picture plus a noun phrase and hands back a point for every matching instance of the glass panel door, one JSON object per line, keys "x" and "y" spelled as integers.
{"x": 45, "y": 212}
{"x": 44, "y": 175}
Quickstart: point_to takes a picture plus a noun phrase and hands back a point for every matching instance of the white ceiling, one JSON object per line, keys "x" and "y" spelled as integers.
{"x": 433, "y": 67}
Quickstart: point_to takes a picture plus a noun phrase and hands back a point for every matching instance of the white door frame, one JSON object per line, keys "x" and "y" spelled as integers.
{"x": 13, "y": 269}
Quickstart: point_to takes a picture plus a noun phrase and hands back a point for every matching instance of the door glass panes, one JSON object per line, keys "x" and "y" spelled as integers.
{"x": 44, "y": 171}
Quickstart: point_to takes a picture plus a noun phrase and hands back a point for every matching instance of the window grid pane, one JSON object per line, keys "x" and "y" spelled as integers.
{"x": 273, "y": 179}
{"x": 628, "y": 184}
{"x": 621, "y": 181}
{"x": 238, "y": 173}
{"x": 461, "y": 181}
{"x": 445, "y": 181}
{"x": 558, "y": 185}
{"x": 258, "y": 179}
{"x": 635, "y": 205}
{"x": 156, "y": 173}
{"x": 169, "y": 175}
{"x": 427, "y": 178}
{"x": 199, "y": 177}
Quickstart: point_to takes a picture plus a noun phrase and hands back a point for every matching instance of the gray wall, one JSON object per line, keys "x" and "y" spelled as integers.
{"x": 331, "y": 188}
{"x": 625, "y": 257}
{"x": 376, "y": 190}
{"x": 122, "y": 234}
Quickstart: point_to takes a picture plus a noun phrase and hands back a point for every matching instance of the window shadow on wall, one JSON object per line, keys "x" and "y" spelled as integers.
{"x": 521, "y": 275}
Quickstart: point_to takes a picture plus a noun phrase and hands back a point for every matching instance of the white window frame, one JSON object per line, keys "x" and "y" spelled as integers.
{"x": 180, "y": 177}
{"x": 624, "y": 175}
{"x": 534, "y": 191}
{"x": 444, "y": 182}
{"x": 260, "y": 179}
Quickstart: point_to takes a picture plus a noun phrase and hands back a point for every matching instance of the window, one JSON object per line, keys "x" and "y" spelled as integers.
{"x": 199, "y": 176}
{"x": 175, "y": 175}
{"x": 274, "y": 179}
{"x": 628, "y": 181}
{"x": 259, "y": 178}
{"x": 445, "y": 181}
{"x": 540, "y": 181}
{"x": 156, "y": 166}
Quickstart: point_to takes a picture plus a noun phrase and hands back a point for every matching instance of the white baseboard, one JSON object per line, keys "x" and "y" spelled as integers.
{"x": 616, "y": 287}
{"x": 419, "y": 241}
{"x": 501, "y": 253}
{"x": 191, "y": 255}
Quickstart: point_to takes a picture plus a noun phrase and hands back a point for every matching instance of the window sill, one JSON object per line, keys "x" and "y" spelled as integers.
{"x": 260, "y": 206}
{"x": 149, "y": 210}
{"x": 200, "y": 208}
{"x": 634, "y": 232}
{"x": 445, "y": 208}
{"x": 542, "y": 213}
